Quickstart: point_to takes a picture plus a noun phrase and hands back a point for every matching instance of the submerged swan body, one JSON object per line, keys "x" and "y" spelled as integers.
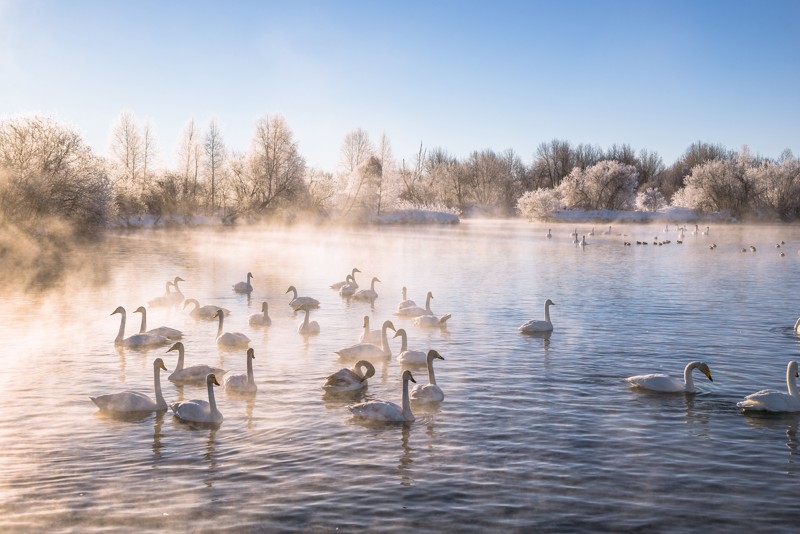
{"x": 300, "y": 302}
{"x": 200, "y": 411}
{"x": 387, "y": 411}
{"x": 207, "y": 312}
{"x": 194, "y": 374}
{"x": 136, "y": 341}
{"x": 167, "y": 332}
{"x": 244, "y": 287}
{"x": 409, "y": 357}
{"x": 229, "y": 339}
{"x": 429, "y": 392}
{"x": 133, "y": 401}
{"x": 538, "y": 325}
{"x": 368, "y": 350}
{"x": 347, "y": 380}
{"x": 769, "y": 400}
{"x": 368, "y": 294}
{"x": 667, "y": 384}
{"x": 261, "y": 319}
{"x": 340, "y": 285}
{"x": 243, "y": 383}
{"x": 349, "y": 288}
{"x": 416, "y": 311}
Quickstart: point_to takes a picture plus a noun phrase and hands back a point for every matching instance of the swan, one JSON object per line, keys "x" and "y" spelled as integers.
{"x": 797, "y": 326}
{"x": 386, "y": 411}
{"x": 430, "y": 321}
{"x": 575, "y": 240}
{"x": 608, "y": 232}
{"x": 167, "y": 332}
{"x": 408, "y": 357}
{"x": 133, "y": 401}
{"x": 416, "y": 311}
{"x": 583, "y": 242}
{"x": 429, "y": 392}
{"x": 307, "y": 328}
{"x": 192, "y": 374}
{"x": 367, "y": 335}
{"x": 367, "y": 294}
{"x": 405, "y": 303}
{"x": 537, "y": 325}
{"x": 349, "y": 289}
{"x": 136, "y": 341}
{"x": 591, "y": 232}
{"x": 206, "y": 312}
{"x": 229, "y": 339}
{"x": 261, "y": 319}
{"x": 696, "y": 230}
{"x": 549, "y": 234}
{"x": 339, "y": 285}
{"x": 200, "y": 411}
{"x": 353, "y": 379}
{"x": 706, "y": 230}
{"x": 244, "y": 287}
{"x": 165, "y": 299}
{"x": 770, "y": 400}
{"x": 245, "y": 383}
{"x": 176, "y": 297}
{"x": 369, "y": 350}
{"x": 298, "y": 302}
{"x": 666, "y": 384}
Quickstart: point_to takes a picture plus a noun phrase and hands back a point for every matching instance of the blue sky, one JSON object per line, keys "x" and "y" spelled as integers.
{"x": 461, "y": 75}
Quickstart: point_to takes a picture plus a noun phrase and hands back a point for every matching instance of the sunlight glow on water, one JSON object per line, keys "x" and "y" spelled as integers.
{"x": 534, "y": 432}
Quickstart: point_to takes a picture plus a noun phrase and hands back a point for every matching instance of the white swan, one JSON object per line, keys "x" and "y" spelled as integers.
{"x": 416, "y": 311}
{"x": 368, "y": 294}
{"x": 244, "y": 287}
{"x": 133, "y": 401}
{"x": 207, "y": 312}
{"x": 176, "y": 297}
{"x": 307, "y": 328}
{"x": 347, "y": 380}
{"x": 368, "y": 350}
{"x": 405, "y": 303}
{"x": 387, "y": 411}
{"x": 575, "y": 240}
{"x": 431, "y": 321}
{"x": 367, "y": 335}
{"x": 797, "y": 326}
{"x": 769, "y": 400}
{"x": 165, "y": 299}
{"x": 193, "y": 374}
{"x": 245, "y": 383}
{"x": 339, "y": 285}
{"x": 537, "y": 325}
{"x": 167, "y": 332}
{"x": 408, "y": 357}
{"x": 591, "y": 232}
{"x": 297, "y": 302}
{"x": 608, "y": 232}
{"x": 583, "y": 242}
{"x": 549, "y": 234}
{"x": 708, "y": 228}
{"x": 667, "y": 384}
{"x": 261, "y": 319}
{"x": 136, "y": 341}
{"x": 200, "y": 411}
{"x": 229, "y": 339}
{"x": 429, "y": 392}
{"x": 350, "y": 287}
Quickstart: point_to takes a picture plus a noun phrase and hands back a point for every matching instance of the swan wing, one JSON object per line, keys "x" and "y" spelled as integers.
{"x": 426, "y": 393}
{"x": 125, "y": 401}
{"x": 770, "y": 401}
{"x": 378, "y": 411}
{"x": 657, "y": 382}
{"x": 413, "y": 357}
{"x": 536, "y": 325}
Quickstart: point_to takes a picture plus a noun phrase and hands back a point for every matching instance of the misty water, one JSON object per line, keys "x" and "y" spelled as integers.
{"x": 534, "y": 432}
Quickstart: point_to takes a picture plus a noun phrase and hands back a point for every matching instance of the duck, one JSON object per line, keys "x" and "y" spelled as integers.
{"x": 367, "y": 335}
{"x": 133, "y": 401}
{"x": 349, "y": 289}
{"x": 297, "y": 302}
{"x": 666, "y": 384}
{"x": 538, "y": 325}
{"x": 242, "y": 383}
{"x": 200, "y": 411}
{"x": 432, "y": 321}
{"x": 176, "y": 297}
{"x": 206, "y": 312}
{"x": 136, "y": 341}
{"x": 367, "y": 294}
{"x": 307, "y": 328}
{"x": 769, "y": 400}
{"x": 408, "y": 357}
{"x": 378, "y": 410}
{"x": 261, "y": 319}
{"x": 194, "y": 374}
{"x": 167, "y": 332}
{"x": 405, "y": 303}
{"x": 244, "y": 287}
{"x": 416, "y": 311}
{"x": 369, "y": 350}
{"x": 339, "y": 285}
{"x": 429, "y": 392}
{"x": 348, "y": 380}
{"x": 229, "y": 339}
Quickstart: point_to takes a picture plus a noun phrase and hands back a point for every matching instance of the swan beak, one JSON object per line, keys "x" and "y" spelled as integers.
{"x": 215, "y": 381}
{"x": 708, "y": 374}
{"x": 163, "y": 367}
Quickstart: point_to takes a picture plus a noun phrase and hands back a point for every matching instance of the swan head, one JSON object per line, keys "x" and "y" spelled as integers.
{"x": 388, "y": 324}
{"x": 119, "y": 309}
{"x": 366, "y": 321}
{"x": 370, "y": 372}
{"x": 549, "y": 302}
{"x": 219, "y": 313}
{"x": 177, "y": 346}
{"x": 291, "y": 289}
{"x": 407, "y": 376}
{"x": 399, "y": 333}
{"x": 703, "y": 368}
{"x": 430, "y": 295}
{"x": 251, "y": 353}
{"x": 211, "y": 379}
{"x": 264, "y": 306}
{"x": 140, "y": 309}
{"x": 190, "y": 301}
{"x": 434, "y": 355}
{"x": 375, "y": 279}
{"x": 356, "y": 270}
{"x": 793, "y": 369}
{"x": 249, "y": 275}
{"x": 158, "y": 363}
{"x": 177, "y": 279}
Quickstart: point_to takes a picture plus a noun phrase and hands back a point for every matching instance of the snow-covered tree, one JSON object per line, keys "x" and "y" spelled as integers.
{"x": 540, "y": 204}
{"x": 650, "y": 199}
{"x": 720, "y": 186}
{"x": 606, "y": 185}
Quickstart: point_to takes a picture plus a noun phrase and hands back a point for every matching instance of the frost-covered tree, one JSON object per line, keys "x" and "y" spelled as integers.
{"x": 721, "y": 186}
{"x": 780, "y": 186}
{"x": 650, "y": 199}
{"x": 606, "y": 185}
{"x": 215, "y": 153}
{"x": 540, "y": 204}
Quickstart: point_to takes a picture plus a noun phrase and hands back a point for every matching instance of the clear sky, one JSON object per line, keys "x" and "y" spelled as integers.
{"x": 462, "y": 75}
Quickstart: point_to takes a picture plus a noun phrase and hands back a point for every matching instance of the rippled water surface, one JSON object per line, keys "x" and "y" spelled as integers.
{"x": 534, "y": 433}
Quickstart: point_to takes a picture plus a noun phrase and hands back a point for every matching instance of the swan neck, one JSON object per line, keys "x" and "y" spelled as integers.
{"x": 405, "y": 294}
{"x": 428, "y": 303}
{"x": 403, "y": 342}
{"x": 157, "y": 380}
{"x": 179, "y": 366}
{"x": 212, "y": 402}
{"x": 121, "y": 332}
{"x": 143, "y": 327}
{"x": 431, "y": 376}
{"x": 688, "y": 381}
{"x": 305, "y": 320}
{"x": 219, "y": 328}
{"x": 791, "y": 385}
{"x": 250, "y": 378}
{"x": 407, "y": 415}
{"x": 372, "y": 285}
{"x": 547, "y": 312}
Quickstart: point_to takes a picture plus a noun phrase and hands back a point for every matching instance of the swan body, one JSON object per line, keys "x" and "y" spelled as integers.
{"x": 350, "y": 287}
{"x": 136, "y": 341}
{"x": 200, "y": 411}
{"x": 261, "y": 319}
{"x": 353, "y": 379}
{"x": 430, "y": 321}
{"x": 308, "y": 328}
{"x": 797, "y": 326}
{"x": 405, "y": 303}
{"x": 206, "y": 312}
{"x": 667, "y": 384}
{"x": 176, "y": 297}
{"x": 244, "y": 383}
{"x": 416, "y": 311}
{"x": 368, "y": 350}
{"x": 165, "y": 299}
{"x": 409, "y": 357}
{"x": 167, "y": 332}
{"x": 193, "y": 374}
{"x": 300, "y": 302}
{"x": 769, "y": 400}
{"x": 229, "y": 339}
{"x": 387, "y": 411}
{"x": 244, "y": 287}
{"x": 367, "y": 335}
{"x": 340, "y": 285}
{"x": 367, "y": 294}
{"x": 429, "y": 392}
{"x": 538, "y": 325}
{"x": 133, "y": 401}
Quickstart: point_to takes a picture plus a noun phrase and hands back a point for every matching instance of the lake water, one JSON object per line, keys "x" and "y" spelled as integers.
{"x": 534, "y": 433}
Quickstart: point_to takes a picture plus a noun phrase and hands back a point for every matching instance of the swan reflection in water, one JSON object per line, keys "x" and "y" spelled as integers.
{"x": 406, "y": 460}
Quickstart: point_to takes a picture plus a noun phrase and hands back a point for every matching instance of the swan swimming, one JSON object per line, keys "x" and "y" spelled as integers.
{"x": 167, "y": 332}
{"x": 193, "y": 374}
{"x": 405, "y": 303}
{"x": 244, "y": 287}
{"x": 307, "y": 328}
{"x": 133, "y": 401}
{"x": 409, "y": 357}
{"x": 200, "y": 411}
{"x": 769, "y": 400}
{"x": 416, "y": 311}
{"x": 340, "y": 285}
{"x": 666, "y": 384}
{"x": 429, "y": 392}
{"x": 261, "y": 319}
{"x": 163, "y": 300}
{"x": 387, "y": 411}
{"x": 368, "y": 350}
{"x": 549, "y": 234}
{"x": 229, "y": 339}
{"x": 349, "y": 289}
{"x": 243, "y": 383}
{"x": 176, "y": 297}
{"x": 537, "y": 325}
{"x": 348, "y": 380}
{"x": 136, "y": 341}
{"x": 367, "y": 335}
{"x": 297, "y": 302}
{"x": 207, "y": 312}
{"x": 367, "y": 294}
{"x": 431, "y": 321}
